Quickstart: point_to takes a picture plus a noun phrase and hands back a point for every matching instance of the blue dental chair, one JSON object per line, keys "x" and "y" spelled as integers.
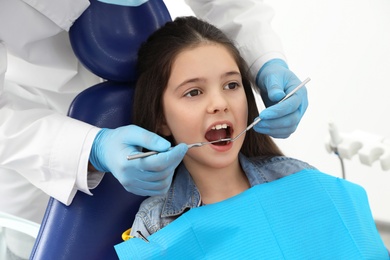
{"x": 91, "y": 226}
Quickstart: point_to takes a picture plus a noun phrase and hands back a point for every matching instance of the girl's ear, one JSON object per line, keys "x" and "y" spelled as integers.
{"x": 164, "y": 129}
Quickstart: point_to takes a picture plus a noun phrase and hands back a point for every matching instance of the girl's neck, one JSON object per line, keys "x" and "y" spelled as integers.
{"x": 216, "y": 185}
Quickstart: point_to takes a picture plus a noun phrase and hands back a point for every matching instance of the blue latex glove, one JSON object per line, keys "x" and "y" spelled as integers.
{"x": 275, "y": 80}
{"x": 146, "y": 176}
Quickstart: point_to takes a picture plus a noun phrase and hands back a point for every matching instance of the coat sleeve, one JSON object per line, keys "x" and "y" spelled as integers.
{"x": 48, "y": 149}
{"x": 248, "y": 23}
{"x": 39, "y": 77}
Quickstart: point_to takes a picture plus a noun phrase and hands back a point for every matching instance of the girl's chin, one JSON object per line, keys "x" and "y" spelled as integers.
{"x": 213, "y": 159}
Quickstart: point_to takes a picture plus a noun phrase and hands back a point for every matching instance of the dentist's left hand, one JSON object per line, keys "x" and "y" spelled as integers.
{"x": 275, "y": 80}
{"x": 147, "y": 176}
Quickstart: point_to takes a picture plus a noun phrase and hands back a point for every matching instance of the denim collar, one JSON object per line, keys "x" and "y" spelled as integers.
{"x": 184, "y": 195}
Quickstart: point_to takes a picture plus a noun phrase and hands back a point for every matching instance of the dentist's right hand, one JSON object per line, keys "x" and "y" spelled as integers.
{"x": 147, "y": 176}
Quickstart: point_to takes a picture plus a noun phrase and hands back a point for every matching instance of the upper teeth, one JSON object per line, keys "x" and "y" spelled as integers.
{"x": 217, "y": 127}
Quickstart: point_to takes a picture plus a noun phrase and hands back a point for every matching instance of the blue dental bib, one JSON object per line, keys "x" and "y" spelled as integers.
{"x": 307, "y": 215}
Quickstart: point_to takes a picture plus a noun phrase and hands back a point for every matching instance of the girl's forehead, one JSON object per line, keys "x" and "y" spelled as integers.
{"x": 202, "y": 45}
{"x": 205, "y": 52}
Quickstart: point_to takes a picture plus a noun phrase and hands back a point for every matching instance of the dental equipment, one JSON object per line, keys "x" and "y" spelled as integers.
{"x": 142, "y": 155}
{"x": 146, "y": 154}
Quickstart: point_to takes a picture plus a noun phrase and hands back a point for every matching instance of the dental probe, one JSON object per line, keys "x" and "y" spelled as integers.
{"x": 142, "y": 155}
{"x": 146, "y": 154}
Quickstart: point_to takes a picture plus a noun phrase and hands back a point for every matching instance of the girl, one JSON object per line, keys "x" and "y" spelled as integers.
{"x": 194, "y": 86}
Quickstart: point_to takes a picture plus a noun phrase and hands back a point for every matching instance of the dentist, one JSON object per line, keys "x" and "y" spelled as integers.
{"x": 45, "y": 153}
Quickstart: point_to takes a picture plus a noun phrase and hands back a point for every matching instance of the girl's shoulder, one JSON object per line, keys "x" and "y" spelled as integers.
{"x": 276, "y": 167}
{"x": 150, "y": 214}
{"x": 277, "y": 161}
{"x": 151, "y": 206}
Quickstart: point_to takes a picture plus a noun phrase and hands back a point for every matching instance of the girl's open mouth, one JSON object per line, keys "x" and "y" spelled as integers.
{"x": 217, "y": 132}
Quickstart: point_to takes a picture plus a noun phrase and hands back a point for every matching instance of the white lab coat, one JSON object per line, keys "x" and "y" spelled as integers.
{"x": 39, "y": 145}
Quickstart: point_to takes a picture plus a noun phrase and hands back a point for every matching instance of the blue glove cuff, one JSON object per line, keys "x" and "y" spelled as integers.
{"x": 95, "y": 152}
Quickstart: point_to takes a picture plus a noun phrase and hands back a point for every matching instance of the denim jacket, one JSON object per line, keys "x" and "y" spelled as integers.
{"x": 158, "y": 211}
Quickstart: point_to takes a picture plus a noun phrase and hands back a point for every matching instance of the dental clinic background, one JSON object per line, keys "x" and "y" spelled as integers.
{"x": 344, "y": 47}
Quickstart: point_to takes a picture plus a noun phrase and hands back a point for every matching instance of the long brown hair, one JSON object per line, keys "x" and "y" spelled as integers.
{"x": 155, "y": 60}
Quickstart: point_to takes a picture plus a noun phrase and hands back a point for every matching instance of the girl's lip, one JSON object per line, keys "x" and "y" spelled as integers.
{"x": 228, "y": 123}
{"x": 220, "y": 123}
{"x": 222, "y": 148}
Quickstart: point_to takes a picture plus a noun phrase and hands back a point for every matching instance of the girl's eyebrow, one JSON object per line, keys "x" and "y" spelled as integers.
{"x": 197, "y": 80}
{"x": 192, "y": 80}
{"x": 231, "y": 73}
{"x": 185, "y": 82}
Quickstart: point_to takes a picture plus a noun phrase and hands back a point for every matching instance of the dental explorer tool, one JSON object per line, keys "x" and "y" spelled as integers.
{"x": 142, "y": 155}
{"x": 146, "y": 154}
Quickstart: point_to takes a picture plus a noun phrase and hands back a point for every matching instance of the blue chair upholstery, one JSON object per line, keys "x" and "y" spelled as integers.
{"x": 91, "y": 226}
{"x": 118, "y": 30}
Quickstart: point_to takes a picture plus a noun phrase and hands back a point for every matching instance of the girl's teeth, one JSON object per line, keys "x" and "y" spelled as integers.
{"x": 217, "y": 127}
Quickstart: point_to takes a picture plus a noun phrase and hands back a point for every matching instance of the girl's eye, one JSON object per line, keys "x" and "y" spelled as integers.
{"x": 232, "y": 85}
{"x": 193, "y": 93}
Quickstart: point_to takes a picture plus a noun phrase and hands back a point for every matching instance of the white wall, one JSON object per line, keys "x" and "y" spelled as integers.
{"x": 344, "y": 47}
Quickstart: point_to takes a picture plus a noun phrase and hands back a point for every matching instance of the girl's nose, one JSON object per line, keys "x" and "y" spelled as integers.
{"x": 217, "y": 103}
